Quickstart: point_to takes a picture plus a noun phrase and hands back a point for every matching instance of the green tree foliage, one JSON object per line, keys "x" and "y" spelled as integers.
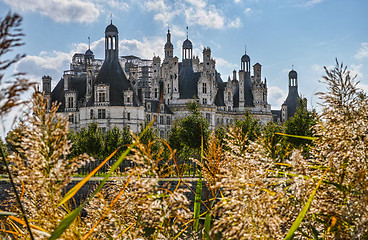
{"x": 97, "y": 144}
{"x": 90, "y": 141}
{"x": 301, "y": 124}
{"x": 275, "y": 145}
{"x": 115, "y": 138}
{"x": 249, "y": 127}
{"x": 187, "y": 132}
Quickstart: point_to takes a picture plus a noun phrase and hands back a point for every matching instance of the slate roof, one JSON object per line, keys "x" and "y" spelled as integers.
{"x": 111, "y": 28}
{"x": 155, "y": 104}
{"x": 292, "y": 101}
{"x": 78, "y": 84}
{"x": 113, "y": 75}
{"x": 219, "y": 100}
{"x": 248, "y": 95}
{"x": 188, "y": 80}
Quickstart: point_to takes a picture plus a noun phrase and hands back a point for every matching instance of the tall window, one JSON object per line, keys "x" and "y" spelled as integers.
{"x": 156, "y": 93}
{"x": 102, "y": 97}
{"x": 128, "y": 116}
{"x": 101, "y": 113}
{"x": 229, "y": 96}
{"x": 70, "y": 102}
{"x": 204, "y": 88}
{"x": 161, "y": 119}
{"x": 204, "y": 101}
{"x": 91, "y": 114}
{"x": 168, "y": 120}
{"x": 71, "y": 118}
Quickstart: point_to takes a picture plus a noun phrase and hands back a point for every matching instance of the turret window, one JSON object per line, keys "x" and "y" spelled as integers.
{"x": 204, "y": 88}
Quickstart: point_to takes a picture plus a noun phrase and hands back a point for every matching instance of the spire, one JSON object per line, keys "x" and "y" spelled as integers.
{"x": 89, "y": 43}
{"x": 111, "y": 17}
{"x": 245, "y": 49}
{"x": 187, "y": 32}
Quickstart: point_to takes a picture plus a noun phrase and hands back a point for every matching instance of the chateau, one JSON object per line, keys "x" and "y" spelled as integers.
{"x": 128, "y": 91}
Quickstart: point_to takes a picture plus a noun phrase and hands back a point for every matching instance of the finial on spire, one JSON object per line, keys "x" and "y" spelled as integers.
{"x": 89, "y": 43}
{"x": 292, "y": 67}
{"x": 111, "y": 17}
{"x": 187, "y": 32}
{"x": 245, "y": 49}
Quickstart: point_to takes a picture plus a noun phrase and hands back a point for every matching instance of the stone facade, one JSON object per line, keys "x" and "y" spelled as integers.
{"x": 128, "y": 91}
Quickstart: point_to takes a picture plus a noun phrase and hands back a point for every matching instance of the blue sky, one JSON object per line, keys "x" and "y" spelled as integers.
{"x": 308, "y": 34}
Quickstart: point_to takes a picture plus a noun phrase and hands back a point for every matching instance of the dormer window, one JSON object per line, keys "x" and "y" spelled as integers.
{"x": 128, "y": 98}
{"x": 102, "y": 97}
{"x": 102, "y": 94}
{"x": 70, "y": 102}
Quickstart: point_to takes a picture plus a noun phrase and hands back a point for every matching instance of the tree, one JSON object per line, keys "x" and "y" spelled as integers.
{"x": 301, "y": 125}
{"x": 90, "y": 141}
{"x": 249, "y": 127}
{"x": 115, "y": 138}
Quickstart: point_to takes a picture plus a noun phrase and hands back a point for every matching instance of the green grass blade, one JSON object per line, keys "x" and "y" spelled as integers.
{"x": 207, "y": 225}
{"x": 198, "y": 196}
{"x": 302, "y": 214}
{"x": 296, "y": 136}
{"x": 5, "y": 214}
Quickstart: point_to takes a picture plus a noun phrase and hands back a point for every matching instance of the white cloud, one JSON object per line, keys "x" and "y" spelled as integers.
{"x": 308, "y": 3}
{"x": 197, "y": 3}
{"x": 116, "y": 4}
{"x": 165, "y": 13}
{"x": 45, "y": 63}
{"x": 208, "y": 18}
{"x": 276, "y": 97}
{"x": 248, "y": 11}
{"x": 53, "y": 63}
{"x": 144, "y": 49}
{"x": 355, "y": 70}
{"x": 363, "y": 51}
{"x": 177, "y": 32}
{"x": 237, "y": 1}
{"x": 59, "y": 10}
{"x": 235, "y": 24}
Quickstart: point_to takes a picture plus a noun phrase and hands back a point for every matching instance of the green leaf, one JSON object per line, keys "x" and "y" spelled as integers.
{"x": 295, "y": 136}
{"x": 3, "y": 213}
{"x": 207, "y": 225}
{"x": 302, "y": 214}
{"x": 198, "y": 196}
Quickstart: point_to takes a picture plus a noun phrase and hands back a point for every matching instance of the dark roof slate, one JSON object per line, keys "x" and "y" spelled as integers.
{"x": 113, "y": 75}
{"x": 188, "y": 80}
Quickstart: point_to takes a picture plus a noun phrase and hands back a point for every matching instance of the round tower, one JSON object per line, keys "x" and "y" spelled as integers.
{"x": 245, "y": 63}
{"x": 111, "y": 42}
{"x": 293, "y": 78}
